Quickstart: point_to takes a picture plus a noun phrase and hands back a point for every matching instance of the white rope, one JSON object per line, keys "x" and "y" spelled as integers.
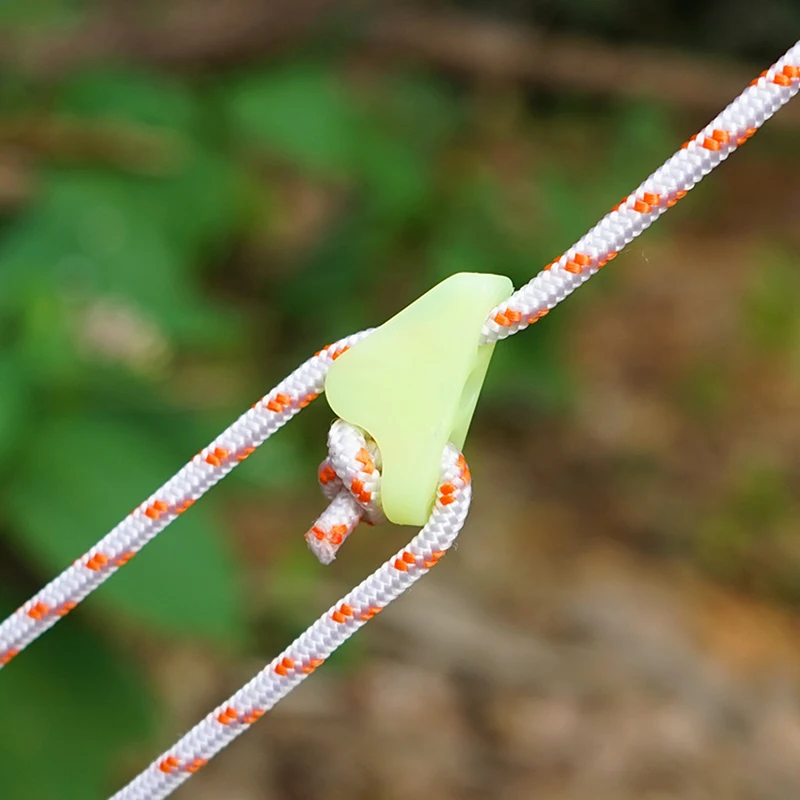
{"x": 311, "y": 649}
{"x": 147, "y": 520}
{"x": 775, "y": 87}
{"x": 665, "y": 187}
{"x": 351, "y": 474}
{"x": 351, "y": 480}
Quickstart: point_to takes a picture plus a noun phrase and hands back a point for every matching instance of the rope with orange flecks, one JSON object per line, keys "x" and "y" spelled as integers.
{"x": 178, "y": 494}
{"x": 662, "y": 190}
{"x": 350, "y": 479}
{"x": 351, "y": 475}
{"x": 314, "y": 646}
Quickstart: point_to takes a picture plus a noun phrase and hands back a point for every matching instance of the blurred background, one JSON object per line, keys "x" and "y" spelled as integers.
{"x": 195, "y": 195}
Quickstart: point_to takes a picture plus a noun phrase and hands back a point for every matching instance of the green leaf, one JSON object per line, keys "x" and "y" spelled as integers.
{"x": 73, "y": 707}
{"x": 467, "y": 238}
{"x": 643, "y": 139}
{"x": 339, "y": 274}
{"x": 14, "y": 399}
{"x": 397, "y": 177}
{"x": 770, "y": 314}
{"x": 202, "y": 205}
{"x": 81, "y": 476}
{"x": 196, "y": 197}
{"x": 533, "y": 375}
{"x": 30, "y": 252}
{"x": 101, "y": 234}
{"x": 421, "y": 109}
{"x": 301, "y": 112}
{"x": 18, "y": 92}
{"x": 127, "y": 94}
{"x": 761, "y": 496}
{"x": 24, "y": 15}
{"x": 281, "y": 466}
{"x": 568, "y": 210}
{"x": 46, "y": 347}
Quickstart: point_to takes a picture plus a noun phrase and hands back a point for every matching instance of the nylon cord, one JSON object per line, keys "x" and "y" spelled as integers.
{"x": 309, "y": 651}
{"x": 642, "y": 207}
{"x": 634, "y": 214}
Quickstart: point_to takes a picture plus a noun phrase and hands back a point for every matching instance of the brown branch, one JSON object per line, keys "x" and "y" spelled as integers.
{"x": 477, "y": 47}
{"x": 187, "y": 33}
{"x": 69, "y": 140}
{"x": 196, "y": 33}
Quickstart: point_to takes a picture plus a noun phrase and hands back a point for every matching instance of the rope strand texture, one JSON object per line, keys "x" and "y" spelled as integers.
{"x": 147, "y": 520}
{"x": 737, "y": 123}
{"x": 311, "y": 649}
{"x": 665, "y": 187}
{"x": 350, "y": 479}
{"x": 662, "y": 190}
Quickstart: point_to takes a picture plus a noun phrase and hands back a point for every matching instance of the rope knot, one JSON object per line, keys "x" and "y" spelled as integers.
{"x": 350, "y": 478}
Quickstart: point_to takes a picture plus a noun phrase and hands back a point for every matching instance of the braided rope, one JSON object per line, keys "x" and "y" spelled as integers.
{"x": 640, "y": 209}
{"x": 350, "y": 479}
{"x": 704, "y": 151}
{"x": 351, "y": 475}
{"x": 310, "y": 650}
{"x": 148, "y": 519}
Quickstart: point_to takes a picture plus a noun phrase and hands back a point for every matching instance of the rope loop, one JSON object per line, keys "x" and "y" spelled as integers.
{"x": 350, "y": 477}
{"x": 313, "y": 647}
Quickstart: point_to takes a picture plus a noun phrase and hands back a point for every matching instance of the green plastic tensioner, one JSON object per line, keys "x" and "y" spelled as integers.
{"x": 413, "y": 385}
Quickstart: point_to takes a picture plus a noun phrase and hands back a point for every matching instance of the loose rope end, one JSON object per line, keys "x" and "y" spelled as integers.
{"x": 351, "y": 479}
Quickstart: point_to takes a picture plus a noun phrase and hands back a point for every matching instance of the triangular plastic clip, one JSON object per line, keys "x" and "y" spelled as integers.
{"x": 413, "y": 385}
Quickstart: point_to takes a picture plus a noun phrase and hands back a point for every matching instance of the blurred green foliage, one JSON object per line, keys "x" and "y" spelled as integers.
{"x": 148, "y": 233}
{"x": 167, "y": 207}
{"x": 64, "y": 709}
{"x": 770, "y": 313}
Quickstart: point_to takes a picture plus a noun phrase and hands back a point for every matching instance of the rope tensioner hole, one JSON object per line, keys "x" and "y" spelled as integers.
{"x": 413, "y": 384}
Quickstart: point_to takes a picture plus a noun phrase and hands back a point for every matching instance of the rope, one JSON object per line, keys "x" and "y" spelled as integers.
{"x": 671, "y": 182}
{"x": 350, "y": 479}
{"x": 311, "y": 649}
{"x": 640, "y": 209}
{"x": 178, "y": 494}
{"x": 351, "y": 474}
